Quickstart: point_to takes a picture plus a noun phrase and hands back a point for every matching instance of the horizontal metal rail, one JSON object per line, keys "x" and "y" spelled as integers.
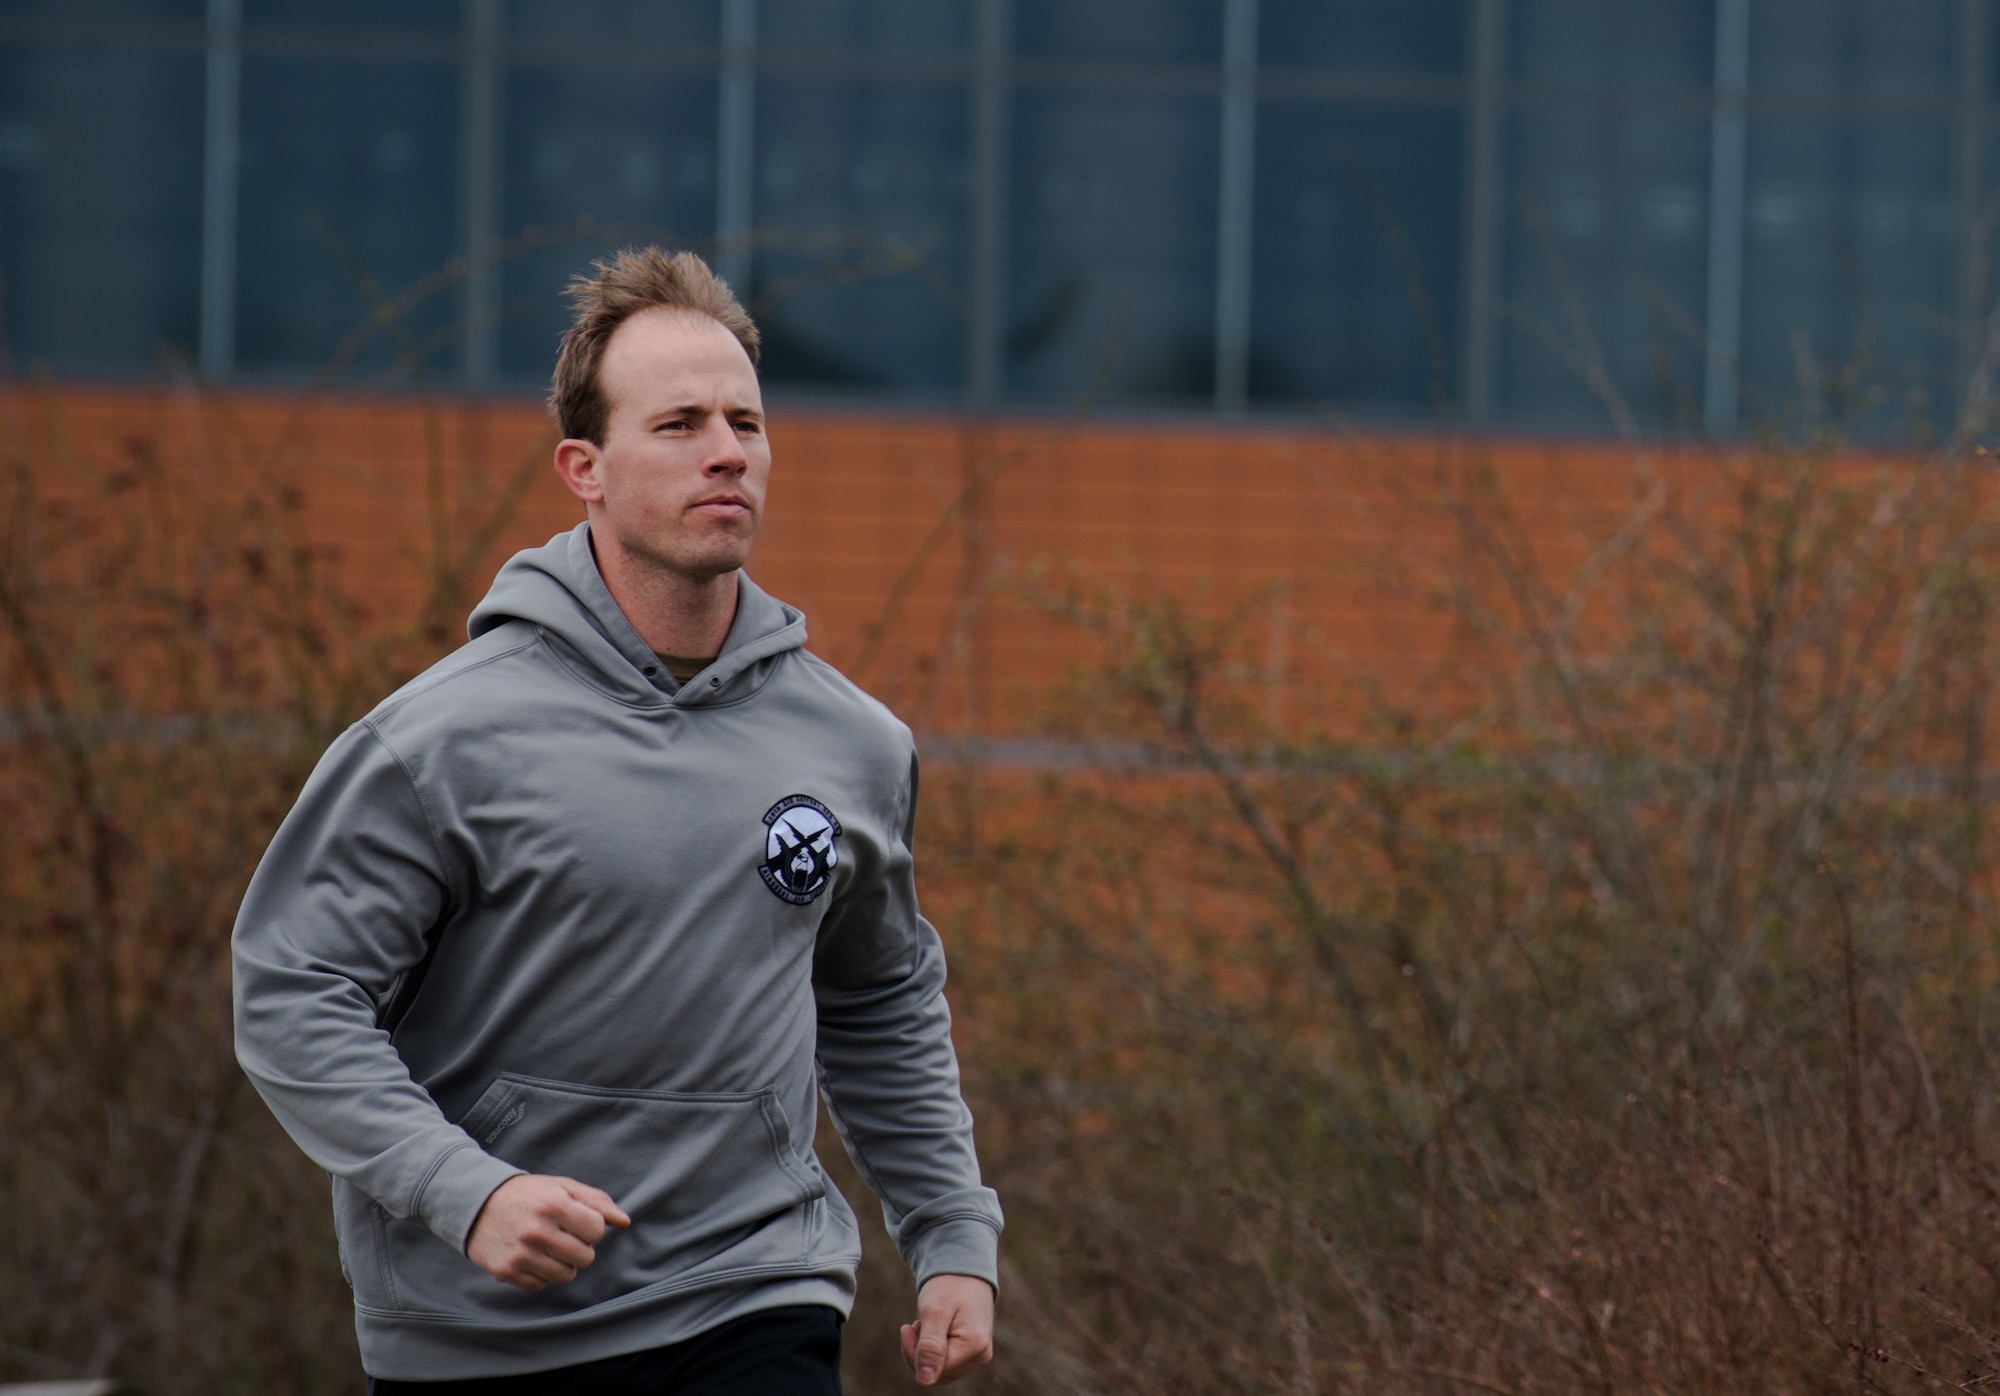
{"x": 1329, "y": 85}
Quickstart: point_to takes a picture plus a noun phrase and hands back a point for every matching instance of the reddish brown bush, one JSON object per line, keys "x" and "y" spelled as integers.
{"x": 1615, "y": 1018}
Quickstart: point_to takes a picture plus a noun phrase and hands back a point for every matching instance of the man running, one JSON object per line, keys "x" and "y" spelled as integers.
{"x": 552, "y": 958}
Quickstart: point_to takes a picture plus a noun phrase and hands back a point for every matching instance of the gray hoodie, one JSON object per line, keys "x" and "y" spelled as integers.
{"x": 546, "y": 910}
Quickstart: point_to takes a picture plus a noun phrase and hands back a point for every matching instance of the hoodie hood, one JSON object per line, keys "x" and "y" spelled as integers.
{"x": 558, "y": 589}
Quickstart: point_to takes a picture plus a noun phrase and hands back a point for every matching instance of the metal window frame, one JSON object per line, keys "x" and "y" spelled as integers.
{"x": 990, "y": 73}
{"x": 736, "y": 144}
{"x": 480, "y": 116}
{"x": 1974, "y": 230}
{"x": 987, "y": 205}
{"x": 1727, "y": 173}
{"x": 221, "y": 162}
{"x": 1235, "y": 219}
{"x": 1481, "y": 244}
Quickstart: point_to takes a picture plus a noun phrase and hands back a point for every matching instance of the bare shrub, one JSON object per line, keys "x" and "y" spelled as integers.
{"x": 1615, "y": 1018}
{"x": 174, "y": 654}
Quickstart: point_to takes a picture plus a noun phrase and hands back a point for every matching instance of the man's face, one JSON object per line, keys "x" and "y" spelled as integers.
{"x": 679, "y": 481}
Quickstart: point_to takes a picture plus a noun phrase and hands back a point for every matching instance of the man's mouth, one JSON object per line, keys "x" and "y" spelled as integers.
{"x": 725, "y": 504}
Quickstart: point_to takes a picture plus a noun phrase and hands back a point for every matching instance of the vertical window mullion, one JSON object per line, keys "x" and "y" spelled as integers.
{"x": 220, "y": 175}
{"x": 479, "y": 166}
{"x": 736, "y": 136}
{"x": 986, "y": 274}
{"x": 1975, "y": 290}
{"x": 1235, "y": 191}
{"x": 1484, "y": 220}
{"x": 1728, "y": 148}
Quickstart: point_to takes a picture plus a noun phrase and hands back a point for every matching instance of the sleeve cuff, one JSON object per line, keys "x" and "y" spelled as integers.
{"x": 459, "y": 1185}
{"x": 961, "y": 1245}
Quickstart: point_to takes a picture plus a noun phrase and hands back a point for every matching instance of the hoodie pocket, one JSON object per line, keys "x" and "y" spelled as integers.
{"x": 706, "y": 1178}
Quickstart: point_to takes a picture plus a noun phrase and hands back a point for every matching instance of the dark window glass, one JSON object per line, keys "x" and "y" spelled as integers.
{"x": 355, "y": 14}
{"x": 348, "y": 197}
{"x": 1648, "y": 42}
{"x": 1178, "y": 31}
{"x": 1606, "y": 252}
{"x": 1112, "y": 243}
{"x": 1849, "y": 242}
{"x": 593, "y": 162}
{"x": 1355, "y": 271}
{"x": 96, "y": 11}
{"x": 1855, "y": 47}
{"x": 865, "y": 26}
{"x": 616, "y": 23}
{"x": 859, "y": 218}
{"x": 100, "y": 207}
{"x": 1363, "y": 35}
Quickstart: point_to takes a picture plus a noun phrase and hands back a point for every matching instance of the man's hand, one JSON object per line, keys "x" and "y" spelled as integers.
{"x": 536, "y": 1231}
{"x": 954, "y": 1329}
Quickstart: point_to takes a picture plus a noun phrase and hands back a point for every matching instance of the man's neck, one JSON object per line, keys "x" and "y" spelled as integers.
{"x": 673, "y": 612}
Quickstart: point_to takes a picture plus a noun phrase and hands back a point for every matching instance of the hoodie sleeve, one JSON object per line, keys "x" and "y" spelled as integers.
{"x": 334, "y": 920}
{"x": 887, "y": 1066}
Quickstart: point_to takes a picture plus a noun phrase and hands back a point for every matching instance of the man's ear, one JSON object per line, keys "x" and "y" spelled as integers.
{"x": 578, "y": 462}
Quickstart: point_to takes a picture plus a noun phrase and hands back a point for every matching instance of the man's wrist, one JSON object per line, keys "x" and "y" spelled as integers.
{"x": 450, "y": 1202}
{"x": 955, "y": 1275}
{"x": 958, "y": 1245}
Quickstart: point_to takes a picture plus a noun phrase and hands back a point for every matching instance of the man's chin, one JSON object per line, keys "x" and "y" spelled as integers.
{"x": 700, "y": 566}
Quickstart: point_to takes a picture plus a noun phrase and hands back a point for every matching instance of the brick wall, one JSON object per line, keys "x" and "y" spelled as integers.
{"x": 922, "y": 548}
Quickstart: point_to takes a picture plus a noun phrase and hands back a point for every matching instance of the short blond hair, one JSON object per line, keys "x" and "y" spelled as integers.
{"x": 638, "y": 278}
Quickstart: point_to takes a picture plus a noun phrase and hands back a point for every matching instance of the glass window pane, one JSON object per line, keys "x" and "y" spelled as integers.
{"x": 617, "y": 21}
{"x": 1178, "y": 31}
{"x": 1661, "y": 42}
{"x": 1992, "y": 64}
{"x": 348, "y": 196}
{"x": 108, "y": 11}
{"x": 1363, "y": 35}
{"x": 1355, "y": 268}
{"x": 100, "y": 207}
{"x": 1849, "y": 255}
{"x": 866, "y": 26}
{"x": 860, "y": 233}
{"x": 1112, "y": 245}
{"x": 1855, "y": 47}
{"x": 1607, "y": 251}
{"x": 355, "y": 14}
{"x": 633, "y": 154}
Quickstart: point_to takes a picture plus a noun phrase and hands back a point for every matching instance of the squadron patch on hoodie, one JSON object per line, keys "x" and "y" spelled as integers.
{"x": 800, "y": 848}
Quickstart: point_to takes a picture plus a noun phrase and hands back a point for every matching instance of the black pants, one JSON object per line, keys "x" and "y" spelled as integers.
{"x": 793, "y": 1351}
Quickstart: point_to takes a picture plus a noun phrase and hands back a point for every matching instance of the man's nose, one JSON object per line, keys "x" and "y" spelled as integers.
{"x": 725, "y": 453}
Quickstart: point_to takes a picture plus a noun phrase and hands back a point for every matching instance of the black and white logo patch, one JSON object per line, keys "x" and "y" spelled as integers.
{"x": 800, "y": 848}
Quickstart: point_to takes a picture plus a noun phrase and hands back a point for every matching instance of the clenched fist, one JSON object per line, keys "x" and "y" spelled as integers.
{"x": 536, "y": 1230}
{"x": 954, "y": 1329}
